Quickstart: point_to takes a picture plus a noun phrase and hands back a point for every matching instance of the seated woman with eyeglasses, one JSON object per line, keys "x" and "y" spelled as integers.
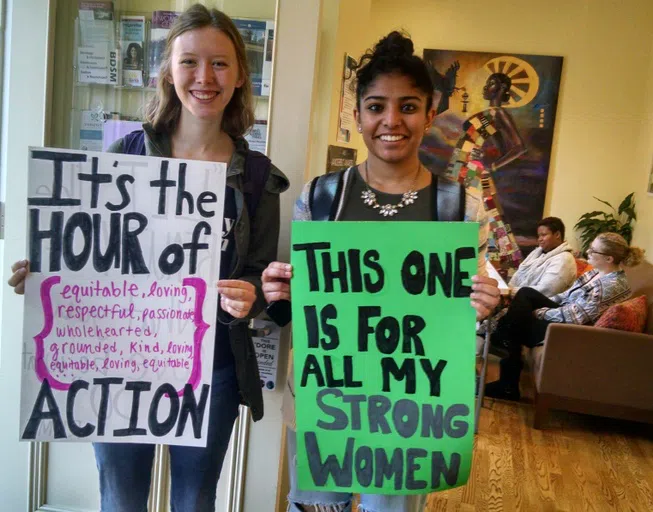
{"x": 531, "y": 312}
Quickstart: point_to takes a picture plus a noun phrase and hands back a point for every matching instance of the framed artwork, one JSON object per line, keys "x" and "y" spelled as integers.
{"x": 494, "y": 130}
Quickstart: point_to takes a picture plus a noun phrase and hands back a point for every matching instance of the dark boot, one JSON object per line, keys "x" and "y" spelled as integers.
{"x": 500, "y": 340}
{"x": 507, "y": 387}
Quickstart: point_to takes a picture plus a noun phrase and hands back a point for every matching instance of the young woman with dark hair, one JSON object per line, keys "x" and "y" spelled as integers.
{"x": 394, "y": 108}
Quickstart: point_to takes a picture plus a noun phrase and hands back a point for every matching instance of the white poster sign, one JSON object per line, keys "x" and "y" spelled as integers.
{"x": 121, "y": 301}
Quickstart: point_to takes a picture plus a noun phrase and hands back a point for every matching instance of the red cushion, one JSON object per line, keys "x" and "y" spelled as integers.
{"x": 626, "y": 316}
{"x": 582, "y": 266}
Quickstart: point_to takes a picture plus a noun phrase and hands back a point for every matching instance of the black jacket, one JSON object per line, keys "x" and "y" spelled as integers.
{"x": 254, "y": 249}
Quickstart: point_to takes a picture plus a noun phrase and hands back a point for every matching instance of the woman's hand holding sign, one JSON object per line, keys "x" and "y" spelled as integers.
{"x": 276, "y": 286}
{"x": 485, "y": 296}
{"x": 19, "y": 270}
{"x": 236, "y": 296}
{"x": 276, "y": 281}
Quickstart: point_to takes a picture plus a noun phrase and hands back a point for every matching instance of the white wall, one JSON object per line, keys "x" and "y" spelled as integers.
{"x": 325, "y": 71}
{"x": 22, "y": 126}
{"x": 289, "y": 128}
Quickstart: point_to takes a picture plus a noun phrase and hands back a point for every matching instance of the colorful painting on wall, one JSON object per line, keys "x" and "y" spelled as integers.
{"x": 494, "y": 130}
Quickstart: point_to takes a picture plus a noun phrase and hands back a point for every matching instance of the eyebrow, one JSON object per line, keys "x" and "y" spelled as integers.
{"x": 403, "y": 98}
{"x": 217, "y": 55}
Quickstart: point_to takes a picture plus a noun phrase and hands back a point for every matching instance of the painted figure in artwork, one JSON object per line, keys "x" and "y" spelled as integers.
{"x": 471, "y": 164}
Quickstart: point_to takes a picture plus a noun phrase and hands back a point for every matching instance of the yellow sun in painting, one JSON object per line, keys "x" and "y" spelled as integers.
{"x": 525, "y": 80}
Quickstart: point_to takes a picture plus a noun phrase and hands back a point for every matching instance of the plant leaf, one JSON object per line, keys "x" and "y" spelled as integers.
{"x": 591, "y": 214}
{"x": 604, "y": 202}
{"x": 627, "y": 203}
{"x": 630, "y": 213}
{"x": 589, "y": 222}
{"x": 620, "y": 221}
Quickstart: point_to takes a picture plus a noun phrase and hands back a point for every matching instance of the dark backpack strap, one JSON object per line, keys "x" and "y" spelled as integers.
{"x": 134, "y": 143}
{"x": 448, "y": 200}
{"x": 322, "y": 195}
{"x": 257, "y": 172}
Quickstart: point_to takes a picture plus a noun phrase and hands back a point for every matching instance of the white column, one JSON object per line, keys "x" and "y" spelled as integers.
{"x": 23, "y": 120}
{"x": 294, "y": 68}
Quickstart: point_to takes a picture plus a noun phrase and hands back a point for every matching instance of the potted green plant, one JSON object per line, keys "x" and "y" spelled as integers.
{"x": 617, "y": 221}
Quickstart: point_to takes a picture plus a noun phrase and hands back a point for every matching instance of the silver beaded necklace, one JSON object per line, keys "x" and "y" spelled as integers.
{"x": 388, "y": 210}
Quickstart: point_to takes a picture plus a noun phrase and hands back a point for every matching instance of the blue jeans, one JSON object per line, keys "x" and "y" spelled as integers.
{"x": 341, "y": 501}
{"x": 126, "y": 468}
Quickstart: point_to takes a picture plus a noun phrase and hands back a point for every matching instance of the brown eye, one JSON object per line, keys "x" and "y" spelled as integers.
{"x": 409, "y": 108}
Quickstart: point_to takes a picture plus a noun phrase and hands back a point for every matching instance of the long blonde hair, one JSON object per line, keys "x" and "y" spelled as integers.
{"x": 163, "y": 111}
{"x": 615, "y": 245}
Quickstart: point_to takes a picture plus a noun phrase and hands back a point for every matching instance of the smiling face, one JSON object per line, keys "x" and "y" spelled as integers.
{"x": 133, "y": 53}
{"x": 393, "y": 118}
{"x": 204, "y": 72}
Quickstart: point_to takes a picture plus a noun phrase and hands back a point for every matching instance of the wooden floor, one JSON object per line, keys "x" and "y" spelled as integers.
{"x": 578, "y": 463}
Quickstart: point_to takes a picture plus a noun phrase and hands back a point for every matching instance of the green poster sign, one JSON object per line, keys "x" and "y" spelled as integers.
{"x": 383, "y": 336}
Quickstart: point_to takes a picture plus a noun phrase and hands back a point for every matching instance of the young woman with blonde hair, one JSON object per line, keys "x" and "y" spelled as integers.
{"x": 202, "y": 109}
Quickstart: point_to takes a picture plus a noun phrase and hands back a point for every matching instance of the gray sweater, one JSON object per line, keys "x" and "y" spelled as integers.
{"x": 549, "y": 273}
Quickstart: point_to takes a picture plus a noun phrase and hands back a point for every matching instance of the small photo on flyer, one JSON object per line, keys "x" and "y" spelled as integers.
{"x": 132, "y": 54}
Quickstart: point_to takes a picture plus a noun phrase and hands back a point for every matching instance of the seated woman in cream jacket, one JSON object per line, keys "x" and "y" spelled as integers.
{"x": 551, "y": 268}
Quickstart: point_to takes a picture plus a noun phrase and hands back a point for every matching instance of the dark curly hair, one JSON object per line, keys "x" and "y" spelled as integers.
{"x": 393, "y": 54}
{"x": 554, "y": 224}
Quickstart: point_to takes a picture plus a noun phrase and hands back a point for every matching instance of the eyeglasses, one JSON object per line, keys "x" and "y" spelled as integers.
{"x": 592, "y": 251}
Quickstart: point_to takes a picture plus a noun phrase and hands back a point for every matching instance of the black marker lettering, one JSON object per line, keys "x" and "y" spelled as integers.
{"x": 95, "y": 179}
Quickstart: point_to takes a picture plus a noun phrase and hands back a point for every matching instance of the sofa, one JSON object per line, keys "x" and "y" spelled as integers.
{"x": 599, "y": 371}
